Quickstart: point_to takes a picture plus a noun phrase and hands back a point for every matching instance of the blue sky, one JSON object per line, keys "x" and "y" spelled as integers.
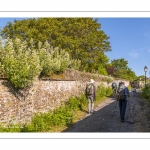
{"x": 129, "y": 38}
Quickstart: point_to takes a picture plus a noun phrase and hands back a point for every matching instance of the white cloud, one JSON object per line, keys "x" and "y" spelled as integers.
{"x": 133, "y": 54}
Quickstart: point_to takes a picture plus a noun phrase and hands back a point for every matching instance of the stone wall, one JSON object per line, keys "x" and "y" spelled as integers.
{"x": 119, "y": 80}
{"x": 43, "y": 96}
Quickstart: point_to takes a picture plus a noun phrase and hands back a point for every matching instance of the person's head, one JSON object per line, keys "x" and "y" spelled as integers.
{"x": 92, "y": 81}
{"x": 121, "y": 83}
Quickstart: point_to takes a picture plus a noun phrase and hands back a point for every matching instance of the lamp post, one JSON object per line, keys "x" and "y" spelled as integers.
{"x": 149, "y": 76}
{"x": 145, "y": 69}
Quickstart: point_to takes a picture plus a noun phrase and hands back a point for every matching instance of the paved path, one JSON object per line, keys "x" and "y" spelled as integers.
{"x": 106, "y": 117}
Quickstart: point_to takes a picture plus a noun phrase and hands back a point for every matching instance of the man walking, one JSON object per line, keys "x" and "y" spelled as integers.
{"x": 114, "y": 88}
{"x": 90, "y": 95}
{"x": 123, "y": 96}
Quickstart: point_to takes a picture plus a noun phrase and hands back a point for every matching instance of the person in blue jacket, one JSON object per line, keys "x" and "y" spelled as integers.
{"x": 123, "y": 97}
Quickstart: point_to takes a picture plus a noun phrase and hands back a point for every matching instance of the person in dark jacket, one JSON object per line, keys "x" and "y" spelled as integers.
{"x": 114, "y": 88}
{"x": 91, "y": 95}
{"x": 123, "y": 101}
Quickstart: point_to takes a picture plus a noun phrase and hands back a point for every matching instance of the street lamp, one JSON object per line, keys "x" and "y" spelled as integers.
{"x": 149, "y": 76}
{"x": 145, "y": 69}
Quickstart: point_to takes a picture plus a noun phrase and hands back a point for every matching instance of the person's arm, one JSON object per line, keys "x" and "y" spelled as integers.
{"x": 94, "y": 94}
{"x": 85, "y": 91}
{"x": 117, "y": 94}
{"x": 127, "y": 93}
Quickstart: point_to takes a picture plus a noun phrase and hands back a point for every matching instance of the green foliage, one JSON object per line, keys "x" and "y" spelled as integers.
{"x": 108, "y": 91}
{"x": 81, "y": 37}
{"x": 129, "y": 87}
{"x": 102, "y": 71}
{"x": 101, "y": 91}
{"x": 20, "y": 63}
{"x": 121, "y": 73}
{"x": 120, "y": 63}
{"x": 55, "y": 60}
{"x": 62, "y": 116}
{"x": 146, "y": 92}
{"x": 75, "y": 64}
{"x": 141, "y": 78}
{"x": 125, "y": 74}
{"x": 40, "y": 122}
{"x": 119, "y": 69}
{"x": 73, "y": 103}
{"x": 108, "y": 80}
{"x": 10, "y": 128}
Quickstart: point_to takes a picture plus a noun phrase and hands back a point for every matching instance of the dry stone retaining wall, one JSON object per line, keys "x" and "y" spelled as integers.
{"x": 43, "y": 96}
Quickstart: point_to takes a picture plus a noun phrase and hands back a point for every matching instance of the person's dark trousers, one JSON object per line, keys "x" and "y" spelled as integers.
{"x": 122, "y": 106}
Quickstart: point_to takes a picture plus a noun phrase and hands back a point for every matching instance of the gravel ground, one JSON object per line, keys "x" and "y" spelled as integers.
{"x": 106, "y": 117}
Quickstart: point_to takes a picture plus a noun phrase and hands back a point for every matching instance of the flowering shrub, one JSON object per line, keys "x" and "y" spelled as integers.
{"x": 22, "y": 62}
{"x": 55, "y": 60}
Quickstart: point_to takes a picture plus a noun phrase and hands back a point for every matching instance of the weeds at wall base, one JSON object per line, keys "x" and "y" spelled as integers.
{"x": 62, "y": 117}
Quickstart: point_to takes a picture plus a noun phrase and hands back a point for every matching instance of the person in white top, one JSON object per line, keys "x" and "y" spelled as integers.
{"x": 133, "y": 90}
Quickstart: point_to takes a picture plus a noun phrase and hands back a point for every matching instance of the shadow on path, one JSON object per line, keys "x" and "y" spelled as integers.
{"x": 106, "y": 118}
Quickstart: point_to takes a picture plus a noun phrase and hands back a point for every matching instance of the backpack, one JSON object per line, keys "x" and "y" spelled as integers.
{"x": 122, "y": 95}
{"x": 89, "y": 89}
{"x": 114, "y": 85}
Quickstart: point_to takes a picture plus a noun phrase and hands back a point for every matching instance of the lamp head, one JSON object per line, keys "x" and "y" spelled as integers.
{"x": 145, "y": 69}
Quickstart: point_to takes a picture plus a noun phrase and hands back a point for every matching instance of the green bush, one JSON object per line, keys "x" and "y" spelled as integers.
{"x": 20, "y": 63}
{"x": 102, "y": 70}
{"x": 108, "y": 91}
{"x": 55, "y": 60}
{"x": 101, "y": 91}
{"x": 146, "y": 92}
{"x": 23, "y": 63}
{"x": 62, "y": 116}
{"x": 40, "y": 122}
{"x": 129, "y": 87}
{"x": 10, "y": 128}
{"x": 73, "y": 103}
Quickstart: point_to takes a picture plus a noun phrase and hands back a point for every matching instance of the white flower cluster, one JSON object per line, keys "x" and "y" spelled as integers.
{"x": 55, "y": 60}
{"x": 22, "y": 62}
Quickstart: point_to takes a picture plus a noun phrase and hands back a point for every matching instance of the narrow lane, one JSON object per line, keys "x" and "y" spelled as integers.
{"x": 106, "y": 117}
